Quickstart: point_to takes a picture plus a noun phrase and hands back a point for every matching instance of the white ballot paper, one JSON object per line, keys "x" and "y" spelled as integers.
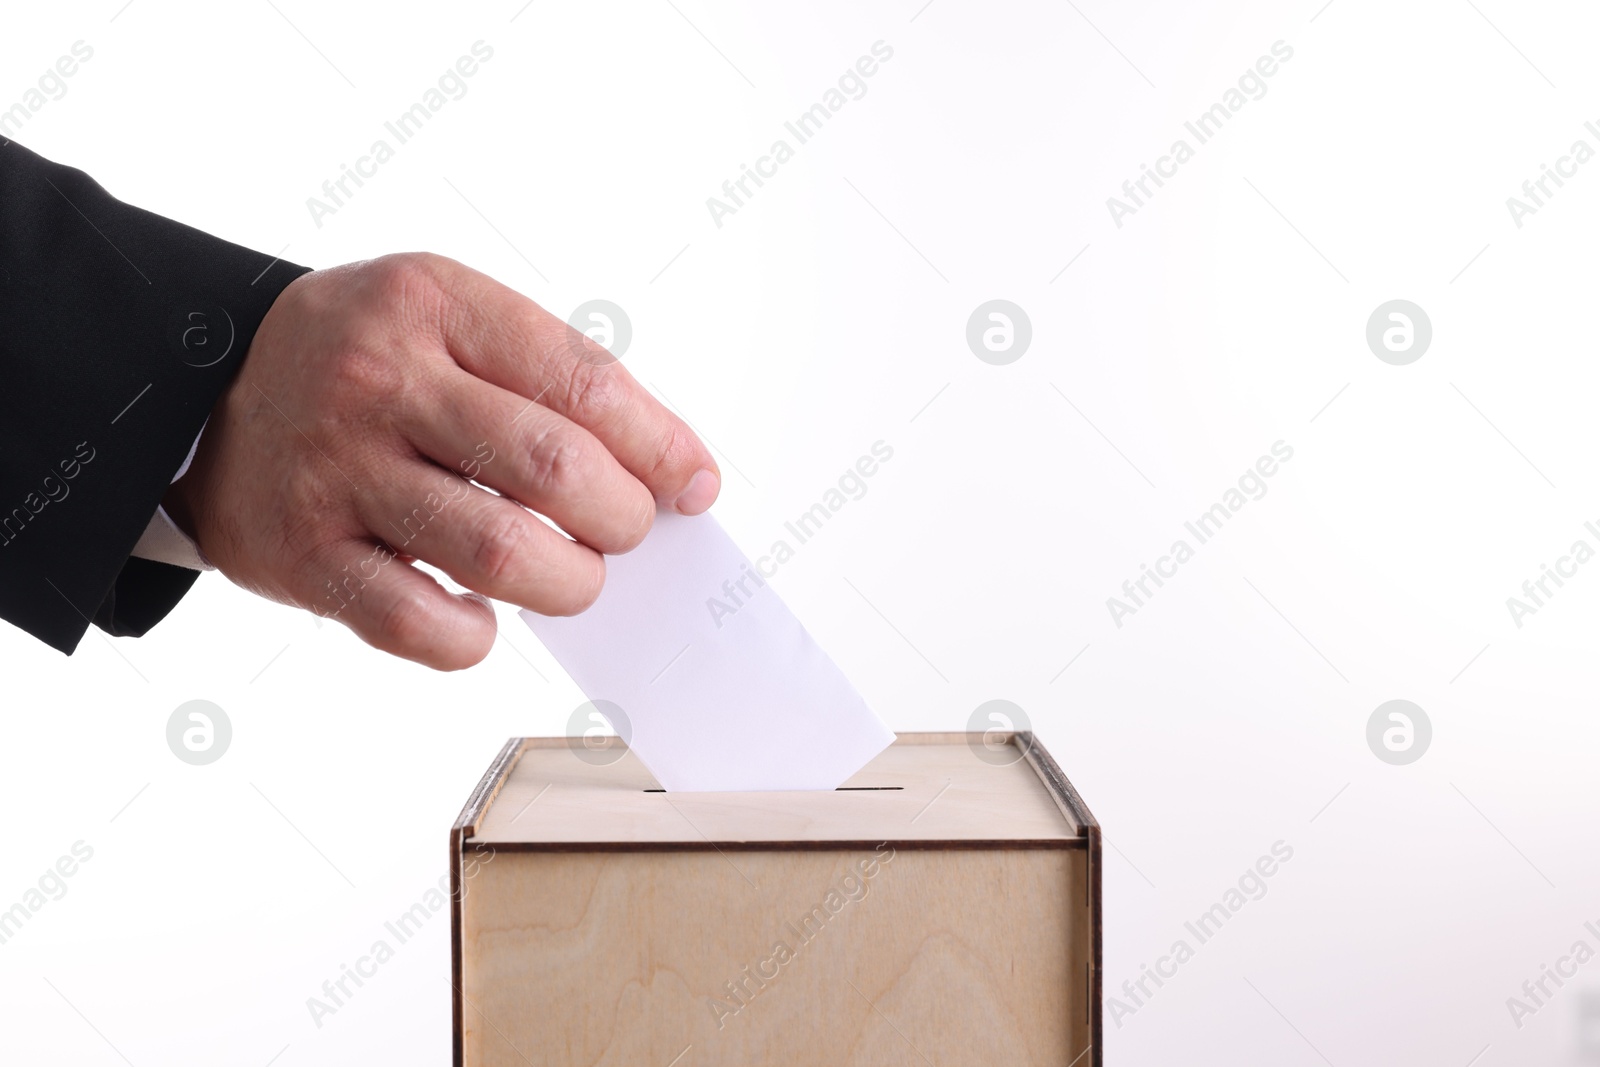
{"x": 718, "y": 685}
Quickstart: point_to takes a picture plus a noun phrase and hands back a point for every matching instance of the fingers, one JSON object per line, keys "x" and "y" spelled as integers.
{"x": 483, "y": 541}
{"x": 396, "y": 608}
{"x": 504, "y": 338}
{"x": 537, "y": 457}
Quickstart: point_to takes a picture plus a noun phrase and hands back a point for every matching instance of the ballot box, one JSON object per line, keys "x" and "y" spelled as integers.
{"x": 941, "y": 907}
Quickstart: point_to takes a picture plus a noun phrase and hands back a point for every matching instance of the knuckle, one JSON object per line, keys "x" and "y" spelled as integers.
{"x": 502, "y": 549}
{"x": 393, "y": 277}
{"x": 593, "y": 393}
{"x": 672, "y": 452}
{"x": 555, "y": 462}
{"x": 406, "y": 270}
{"x": 408, "y": 287}
{"x": 403, "y": 623}
{"x": 367, "y": 372}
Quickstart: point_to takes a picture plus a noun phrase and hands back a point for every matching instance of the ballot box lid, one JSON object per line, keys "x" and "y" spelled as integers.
{"x": 928, "y": 790}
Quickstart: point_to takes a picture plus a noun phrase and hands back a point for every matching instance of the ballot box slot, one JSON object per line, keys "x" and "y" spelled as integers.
{"x": 840, "y": 789}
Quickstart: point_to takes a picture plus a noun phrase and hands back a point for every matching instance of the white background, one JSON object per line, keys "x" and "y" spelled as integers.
{"x": 830, "y": 313}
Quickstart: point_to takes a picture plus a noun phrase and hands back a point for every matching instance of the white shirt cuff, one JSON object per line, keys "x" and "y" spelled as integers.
{"x": 163, "y": 541}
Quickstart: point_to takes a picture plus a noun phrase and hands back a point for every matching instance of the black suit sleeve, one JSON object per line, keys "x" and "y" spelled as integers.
{"x": 119, "y": 330}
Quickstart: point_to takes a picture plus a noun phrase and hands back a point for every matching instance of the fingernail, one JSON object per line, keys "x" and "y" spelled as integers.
{"x": 699, "y": 494}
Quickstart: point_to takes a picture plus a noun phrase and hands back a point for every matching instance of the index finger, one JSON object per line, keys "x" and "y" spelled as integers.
{"x": 501, "y": 336}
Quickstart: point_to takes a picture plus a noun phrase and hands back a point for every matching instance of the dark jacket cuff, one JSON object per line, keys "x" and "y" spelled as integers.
{"x": 119, "y": 330}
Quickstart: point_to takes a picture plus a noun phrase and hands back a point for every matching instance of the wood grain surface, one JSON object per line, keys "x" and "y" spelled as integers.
{"x": 937, "y": 957}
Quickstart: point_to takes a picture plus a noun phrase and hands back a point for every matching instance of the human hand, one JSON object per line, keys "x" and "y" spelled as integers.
{"x": 373, "y": 397}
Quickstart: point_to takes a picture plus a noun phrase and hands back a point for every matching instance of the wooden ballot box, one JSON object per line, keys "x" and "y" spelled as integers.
{"x": 942, "y": 907}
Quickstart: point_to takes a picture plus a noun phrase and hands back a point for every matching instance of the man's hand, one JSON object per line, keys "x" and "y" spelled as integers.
{"x": 374, "y": 395}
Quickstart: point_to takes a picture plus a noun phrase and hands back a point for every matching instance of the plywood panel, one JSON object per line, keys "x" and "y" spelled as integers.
{"x": 917, "y": 957}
